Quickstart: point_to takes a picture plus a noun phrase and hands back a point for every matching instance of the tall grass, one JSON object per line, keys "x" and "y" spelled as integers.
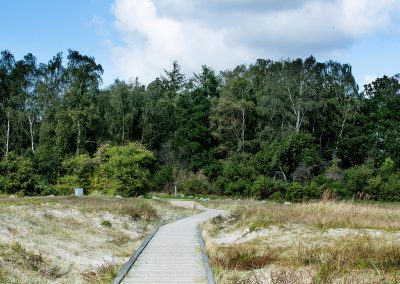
{"x": 359, "y": 258}
{"x": 321, "y": 215}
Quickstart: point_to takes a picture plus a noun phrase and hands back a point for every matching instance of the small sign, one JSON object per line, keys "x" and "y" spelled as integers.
{"x": 78, "y": 191}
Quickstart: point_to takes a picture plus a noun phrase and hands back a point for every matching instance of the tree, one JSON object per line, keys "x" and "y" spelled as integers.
{"x": 83, "y": 77}
{"x": 232, "y": 112}
{"x": 192, "y": 119}
{"x": 124, "y": 105}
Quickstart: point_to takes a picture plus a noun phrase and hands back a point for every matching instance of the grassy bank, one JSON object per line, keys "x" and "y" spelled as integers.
{"x": 74, "y": 240}
{"x": 305, "y": 243}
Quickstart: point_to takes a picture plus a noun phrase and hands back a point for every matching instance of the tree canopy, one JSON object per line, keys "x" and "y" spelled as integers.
{"x": 274, "y": 129}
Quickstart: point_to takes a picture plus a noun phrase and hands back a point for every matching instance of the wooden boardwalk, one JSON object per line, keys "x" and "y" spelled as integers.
{"x": 173, "y": 255}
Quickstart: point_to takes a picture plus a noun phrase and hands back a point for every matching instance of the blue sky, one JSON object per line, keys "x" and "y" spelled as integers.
{"x": 141, "y": 37}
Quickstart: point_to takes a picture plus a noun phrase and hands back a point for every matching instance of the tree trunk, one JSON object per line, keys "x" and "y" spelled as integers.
{"x": 78, "y": 138}
{"x": 298, "y": 120}
{"x": 31, "y": 134}
{"x": 341, "y": 131}
{"x": 283, "y": 174}
{"x": 7, "y": 138}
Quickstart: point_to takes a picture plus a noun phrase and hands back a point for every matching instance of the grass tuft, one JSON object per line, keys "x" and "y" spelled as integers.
{"x": 103, "y": 273}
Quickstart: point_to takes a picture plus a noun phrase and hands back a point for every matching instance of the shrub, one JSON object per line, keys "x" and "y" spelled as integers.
{"x": 196, "y": 184}
{"x": 124, "y": 170}
{"x": 78, "y": 173}
{"x": 356, "y": 178}
{"x": 266, "y": 188}
{"x": 294, "y": 192}
{"x": 17, "y": 176}
{"x": 164, "y": 178}
{"x": 390, "y": 190}
{"x": 261, "y": 187}
{"x": 237, "y": 176}
{"x": 312, "y": 191}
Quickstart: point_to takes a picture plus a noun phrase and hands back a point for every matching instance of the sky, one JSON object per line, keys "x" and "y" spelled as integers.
{"x": 141, "y": 38}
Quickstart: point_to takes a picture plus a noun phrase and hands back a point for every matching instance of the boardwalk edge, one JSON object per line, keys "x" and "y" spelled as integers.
{"x": 206, "y": 261}
{"x": 125, "y": 269}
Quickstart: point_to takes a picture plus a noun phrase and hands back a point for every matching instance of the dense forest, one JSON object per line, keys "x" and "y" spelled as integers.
{"x": 284, "y": 130}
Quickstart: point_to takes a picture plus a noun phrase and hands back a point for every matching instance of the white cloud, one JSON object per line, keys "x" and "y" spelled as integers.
{"x": 225, "y": 33}
{"x": 367, "y": 79}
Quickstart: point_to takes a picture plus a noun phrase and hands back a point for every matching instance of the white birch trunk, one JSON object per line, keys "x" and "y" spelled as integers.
{"x": 31, "y": 134}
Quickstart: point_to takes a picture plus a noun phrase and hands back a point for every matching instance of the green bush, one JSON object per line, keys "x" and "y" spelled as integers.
{"x": 237, "y": 176}
{"x": 164, "y": 178}
{"x": 261, "y": 187}
{"x": 124, "y": 170}
{"x": 17, "y": 176}
{"x": 312, "y": 191}
{"x": 196, "y": 184}
{"x": 390, "y": 190}
{"x": 356, "y": 178}
{"x": 66, "y": 184}
{"x": 373, "y": 186}
{"x": 266, "y": 188}
{"x": 294, "y": 192}
{"x": 78, "y": 173}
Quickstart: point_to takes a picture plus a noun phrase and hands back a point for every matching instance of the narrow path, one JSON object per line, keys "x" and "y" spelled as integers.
{"x": 174, "y": 254}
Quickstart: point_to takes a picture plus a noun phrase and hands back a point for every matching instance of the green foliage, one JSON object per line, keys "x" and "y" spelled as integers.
{"x": 266, "y": 130}
{"x": 390, "y": 190}
{"x": 126, "y": 169}
{"x": 122, "y": 170}
{"x": 288, "y": 153}
{"x": 78, "y": 173}
{"x": 17, "y": 176}
{"x": 237, "y": 176}
{"x": 164, "y": 178}
{"x": 356, "y": 178}
{"x": 294, "y": 192}
{"x": 196, "y": 184}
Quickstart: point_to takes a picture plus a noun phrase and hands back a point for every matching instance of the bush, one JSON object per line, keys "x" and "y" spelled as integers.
{"x": 356, "y": 178}
{"x": 79, "y": 171}
{"x": 237, "y": 176}
{"x": 294, "y": 192}
{"x": 390, "y": 190}
{"x": 196, "y": 184}
{"x": 17, "y": 176}
{"x": 66, "y": 185}
{"x": 266, "y": 188}
{"x": 261, "y": 187}
{"x": 164, "y": 178}
{"x": 312, "y": 191}
{"x": 124, "y": 170}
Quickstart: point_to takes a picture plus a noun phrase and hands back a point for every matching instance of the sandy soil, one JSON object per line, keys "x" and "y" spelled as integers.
{"x": 75, "y": 241}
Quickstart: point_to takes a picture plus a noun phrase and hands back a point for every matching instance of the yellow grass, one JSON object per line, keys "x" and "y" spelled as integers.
{"x": 356, "y": 258}
{"x": 74, "y": 240}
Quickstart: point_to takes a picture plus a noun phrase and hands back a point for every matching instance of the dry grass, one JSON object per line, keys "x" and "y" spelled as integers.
{"x": 306, "y": 251}
{"x": 242, "y": 257}
{"x": 87, "y": 237}
{"x": 320, "y": 215}
{"x": 24, "y": 264}
{"x": 102, "y": 273}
